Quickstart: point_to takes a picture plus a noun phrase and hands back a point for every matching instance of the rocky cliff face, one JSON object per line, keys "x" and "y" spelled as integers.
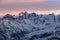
{"x": 30, "y": 27}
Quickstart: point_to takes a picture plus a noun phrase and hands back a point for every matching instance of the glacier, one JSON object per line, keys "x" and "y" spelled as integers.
{"x": 30, "y": 27}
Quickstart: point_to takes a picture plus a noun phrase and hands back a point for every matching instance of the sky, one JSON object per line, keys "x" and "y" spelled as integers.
{"x": 38, "y": 6}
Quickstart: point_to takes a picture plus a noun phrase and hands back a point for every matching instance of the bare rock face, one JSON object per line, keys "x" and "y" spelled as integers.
{"x": 30, "y": 27}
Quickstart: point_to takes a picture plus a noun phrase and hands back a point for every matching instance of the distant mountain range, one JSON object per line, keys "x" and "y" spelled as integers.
{"x": 30, "y": 27}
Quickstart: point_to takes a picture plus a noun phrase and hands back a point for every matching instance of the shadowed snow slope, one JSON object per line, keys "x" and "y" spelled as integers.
{"x": 30, "y": 27}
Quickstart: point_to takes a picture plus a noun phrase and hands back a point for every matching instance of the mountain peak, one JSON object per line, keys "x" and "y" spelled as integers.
{"x": 22, "y": 13}
{"x": 8, "y": 16}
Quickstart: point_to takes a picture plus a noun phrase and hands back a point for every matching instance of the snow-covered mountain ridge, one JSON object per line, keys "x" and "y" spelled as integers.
{"x": 30, "y": 27}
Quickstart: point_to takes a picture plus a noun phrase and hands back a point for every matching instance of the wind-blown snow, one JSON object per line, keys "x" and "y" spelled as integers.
{"x": 30, "y": 27}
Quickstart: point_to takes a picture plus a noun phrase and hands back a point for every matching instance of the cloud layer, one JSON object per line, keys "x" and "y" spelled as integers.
{"x": 31, "y": 4}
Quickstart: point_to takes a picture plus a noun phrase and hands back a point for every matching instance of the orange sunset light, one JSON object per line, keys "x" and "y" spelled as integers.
{"x": 14, "y": 12}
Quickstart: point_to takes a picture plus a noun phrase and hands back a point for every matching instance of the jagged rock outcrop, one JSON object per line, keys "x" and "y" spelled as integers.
{"x": 30, "y": 27}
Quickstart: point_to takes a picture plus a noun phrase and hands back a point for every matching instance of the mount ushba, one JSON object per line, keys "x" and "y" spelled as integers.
{"x": 30, "y": 27}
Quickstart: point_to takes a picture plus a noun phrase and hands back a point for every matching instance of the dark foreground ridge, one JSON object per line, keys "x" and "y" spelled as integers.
{"x": 30, "y": 27}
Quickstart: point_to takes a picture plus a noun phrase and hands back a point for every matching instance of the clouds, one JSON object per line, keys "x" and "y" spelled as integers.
{"x": 32, "y": 5}
{"x": 21, "y": 1}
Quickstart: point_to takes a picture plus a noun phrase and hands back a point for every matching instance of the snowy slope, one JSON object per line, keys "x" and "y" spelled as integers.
{"x": 30, "y": 27}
